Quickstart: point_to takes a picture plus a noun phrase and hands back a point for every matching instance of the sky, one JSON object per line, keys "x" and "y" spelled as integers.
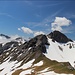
{"x": 29, "y": 18}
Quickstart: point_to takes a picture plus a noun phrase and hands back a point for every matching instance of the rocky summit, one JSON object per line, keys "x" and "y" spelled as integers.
{"x": 52, "y": 54}
{"x": 59, "y": 37}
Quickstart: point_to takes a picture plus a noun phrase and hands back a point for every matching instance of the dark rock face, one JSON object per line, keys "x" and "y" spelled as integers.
{"x": 8, "y": 45}
{"x": 38, "y": 42}
{"x": 31, "y": 49}
{"x": 1, "y": 49}
{"x": 59, "y": 37}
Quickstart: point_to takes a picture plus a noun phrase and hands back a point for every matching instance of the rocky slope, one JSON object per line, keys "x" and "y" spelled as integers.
{"x": 43, "y": 54}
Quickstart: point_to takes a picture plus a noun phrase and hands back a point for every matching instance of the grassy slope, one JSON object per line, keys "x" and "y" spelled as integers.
{"x": 47, "y": 63}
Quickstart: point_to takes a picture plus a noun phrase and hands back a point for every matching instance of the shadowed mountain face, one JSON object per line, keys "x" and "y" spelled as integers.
{"x": 32, "y": 48}
{"x": 59, "y": 37}
{"x": 7, "y": 46}
{"x": 29, "y": 48}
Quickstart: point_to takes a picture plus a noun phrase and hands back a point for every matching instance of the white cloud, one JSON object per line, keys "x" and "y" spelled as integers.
{"x": 56, "y": 27}
{"x": 26, "y": 30}
{"x": 14, "y": 36}
{"x": 45, "y": 22}
{"x": 38, "y": 33}
{"x": 4, "y": 40}
{"x": 29, "y": 31}
{"x": 19, "y": 29}
{"x": 59, "y": 22}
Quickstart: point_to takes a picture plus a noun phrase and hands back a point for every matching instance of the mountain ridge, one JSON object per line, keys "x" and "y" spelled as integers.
{"x": 42, "y": 48}
{"x": 3, "y": 35}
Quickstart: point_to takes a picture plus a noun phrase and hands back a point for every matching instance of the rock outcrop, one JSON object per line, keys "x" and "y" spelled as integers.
{"x": 59, "y": 37}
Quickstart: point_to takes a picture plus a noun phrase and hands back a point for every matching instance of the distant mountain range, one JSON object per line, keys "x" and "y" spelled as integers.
{"x": 52, "y": 54}
{"x": 3, "y": 35}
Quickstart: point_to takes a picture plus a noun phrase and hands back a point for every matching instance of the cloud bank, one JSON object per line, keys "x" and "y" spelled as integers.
{"x": 26, "y": 30}
{"x": 38, "y": 33}
{"x": 29, "y": 31}
{"x": 60, "y": 22}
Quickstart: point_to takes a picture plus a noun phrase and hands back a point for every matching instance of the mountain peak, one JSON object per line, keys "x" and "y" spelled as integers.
{"x": 59, "y": 37}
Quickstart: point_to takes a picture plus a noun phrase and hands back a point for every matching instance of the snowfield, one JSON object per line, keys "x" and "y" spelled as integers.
{"x": 9, "y": 67}
{"x": 65, "y": 55}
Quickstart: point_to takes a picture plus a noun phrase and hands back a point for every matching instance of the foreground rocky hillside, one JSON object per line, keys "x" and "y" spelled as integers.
{"x": 52, "y": 54}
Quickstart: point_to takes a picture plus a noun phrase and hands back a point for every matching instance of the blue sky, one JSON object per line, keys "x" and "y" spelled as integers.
{"x": 29, "y": 17}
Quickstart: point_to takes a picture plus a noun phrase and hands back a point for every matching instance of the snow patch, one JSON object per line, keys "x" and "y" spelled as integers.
{"x": 39, "y": 64}
{"x": 27, "y": 65}
{"x": 25, "y": 72}
{"x": 45, "y": 72}
{"x": 7, "y": 53}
